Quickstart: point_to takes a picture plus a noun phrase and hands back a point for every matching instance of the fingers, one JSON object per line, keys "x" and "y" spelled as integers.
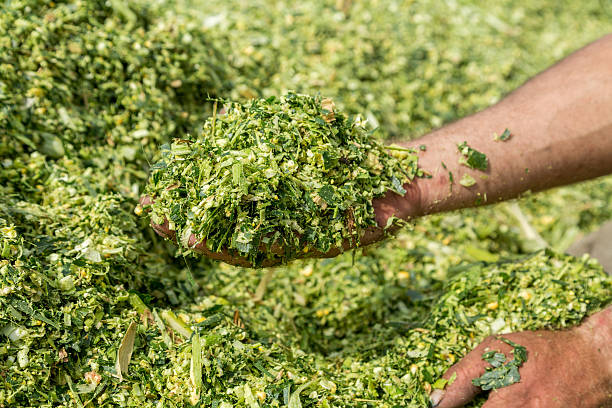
{"x": 495, "y": 402}
{"x": 225, "y": 255}
{"x": 461, "y": 391}
{"x": 370, "y": 235}
{"x": 145, "y": 200}
{"x": 392, "y": 204}
{"x": 164, "y": 230}
{"x": 508, "y": 398}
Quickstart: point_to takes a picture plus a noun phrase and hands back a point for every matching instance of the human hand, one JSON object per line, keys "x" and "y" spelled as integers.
{"x": 385, "y": 207}
{"x": 571, "y": 368}
{"x": 390, "y": 205}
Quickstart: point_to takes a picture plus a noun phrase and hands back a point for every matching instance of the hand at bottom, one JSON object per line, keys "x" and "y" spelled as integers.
{"x": 571, "y": 368}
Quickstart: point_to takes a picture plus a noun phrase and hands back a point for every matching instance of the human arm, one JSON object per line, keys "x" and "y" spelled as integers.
{"x": 561, "y": 133}
{"x": 561, "y": 125}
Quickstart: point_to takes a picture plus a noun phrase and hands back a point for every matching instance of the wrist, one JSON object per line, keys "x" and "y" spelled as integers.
{"x": 439, "y": 189}
{"x": 405, "y": 206}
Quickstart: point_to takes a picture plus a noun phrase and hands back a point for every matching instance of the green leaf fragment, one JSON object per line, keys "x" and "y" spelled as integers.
{"x": 440, "y": 383}
{"x": 196, "y": 362}
{"x": 236, "y": 173}
{"x": 176, "y": 323}
{"x": 467, "y": 180}
{"x": 504, "y": 136}
{"x": 162, "y": 329}
{"x": 327, "y": 193}
{"x": 472, "y": 158}
{"x": 137, "y": 303}
{"x": 480, "y": 254}
{"x": 294, "y": 400}
{"x": 501, "y": 375}
{"x": 73, "y": 392}
{"x": 124, "y": 352}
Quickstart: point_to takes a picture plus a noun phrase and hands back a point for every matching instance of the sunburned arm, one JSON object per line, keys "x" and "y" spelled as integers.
{"x": 561, "y": 126}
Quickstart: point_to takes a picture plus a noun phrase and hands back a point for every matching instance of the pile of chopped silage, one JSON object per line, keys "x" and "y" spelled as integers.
{"x": 290, "y": 172}
{"x": 406, "y": 66}
{"x": 78, "y": 74}
{"x": 78, "y": 268}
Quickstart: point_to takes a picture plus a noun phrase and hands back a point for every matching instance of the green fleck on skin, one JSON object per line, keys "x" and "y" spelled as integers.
{"x": 472, "y": 158}
{"x": 501, "y": 374}
{"x": 503, "y": 137}
{"x": 467, "y": 181}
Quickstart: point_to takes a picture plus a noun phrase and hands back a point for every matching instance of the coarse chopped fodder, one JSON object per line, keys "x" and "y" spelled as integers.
{"x": 81, "y": 275}
{"x": 79, "y": 73}
{"x": 290, "y": 172}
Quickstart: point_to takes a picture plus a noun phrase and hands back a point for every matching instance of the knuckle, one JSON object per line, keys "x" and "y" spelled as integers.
{"x": 462, "y": 369}
{"x": 463, "y": 372}
{"x": 489, "y": 339}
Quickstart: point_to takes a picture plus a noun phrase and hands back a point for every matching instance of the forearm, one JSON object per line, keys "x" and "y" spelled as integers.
{"x": 561, "y": 126}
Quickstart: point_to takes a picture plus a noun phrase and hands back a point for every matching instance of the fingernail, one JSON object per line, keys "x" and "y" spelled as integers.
{"x": 436, "y": 397}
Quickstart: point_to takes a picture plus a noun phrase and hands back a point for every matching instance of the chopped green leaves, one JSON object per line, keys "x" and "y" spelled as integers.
{"x": 93, "y": 92}
{"x": 288, "y": 171}
{"x": 503, "y": 137}
{"x": 472, "y": 158}
{"x": 501, "y": 374}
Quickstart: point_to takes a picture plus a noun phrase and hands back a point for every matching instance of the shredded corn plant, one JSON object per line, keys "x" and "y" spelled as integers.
{"x": 98, "y": 311}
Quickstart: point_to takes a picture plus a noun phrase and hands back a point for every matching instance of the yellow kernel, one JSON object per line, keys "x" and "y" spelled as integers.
{"x": 261, "y": 396}
{"x": 403, "y": 275}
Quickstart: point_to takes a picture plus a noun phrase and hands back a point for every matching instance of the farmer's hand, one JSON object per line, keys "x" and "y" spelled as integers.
{"x": 563, "y": 369}
{"x": 384, "y": 208}
{"x": 224, "y": 254}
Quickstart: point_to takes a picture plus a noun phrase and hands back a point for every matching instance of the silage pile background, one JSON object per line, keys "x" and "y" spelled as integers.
{"x": 90, "y": 89}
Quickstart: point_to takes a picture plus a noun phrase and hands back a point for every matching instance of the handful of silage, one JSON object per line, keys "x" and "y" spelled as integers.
{"x": 290, "y": 173}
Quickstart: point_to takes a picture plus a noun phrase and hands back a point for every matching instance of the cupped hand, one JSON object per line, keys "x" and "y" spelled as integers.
{"x": 570, "y": 368}
{"x": 385, "y": 207}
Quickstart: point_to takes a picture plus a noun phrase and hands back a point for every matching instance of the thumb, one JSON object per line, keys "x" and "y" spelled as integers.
{"x": 461, "y": 391}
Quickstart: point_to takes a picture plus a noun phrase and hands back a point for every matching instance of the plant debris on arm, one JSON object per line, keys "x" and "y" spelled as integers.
{"x": 472, "y": 157}
{"x": 288, "y": 172}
